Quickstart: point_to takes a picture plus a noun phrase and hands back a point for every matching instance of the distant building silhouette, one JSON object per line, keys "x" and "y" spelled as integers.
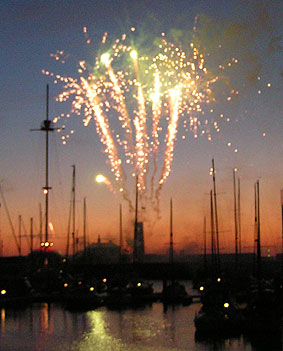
{"x": 103, "y": 252}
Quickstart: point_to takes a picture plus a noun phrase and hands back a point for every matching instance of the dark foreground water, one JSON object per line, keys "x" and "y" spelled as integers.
{"x": 44, "y": 327}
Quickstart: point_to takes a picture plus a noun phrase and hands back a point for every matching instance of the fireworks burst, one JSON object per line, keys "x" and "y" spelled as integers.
{"x": 147, "y": 96}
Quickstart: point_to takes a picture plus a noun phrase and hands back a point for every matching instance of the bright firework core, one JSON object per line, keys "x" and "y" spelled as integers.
{"x": 100, "y": 178}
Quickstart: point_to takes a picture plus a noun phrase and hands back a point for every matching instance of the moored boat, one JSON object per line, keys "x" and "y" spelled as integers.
{"x": 175, "y": 293}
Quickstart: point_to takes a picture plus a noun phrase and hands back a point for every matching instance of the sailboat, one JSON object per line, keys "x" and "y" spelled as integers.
{"x": 45, "y": 279}
{"x": 219, "y": 315}
{"x": 174, "y": 293}
{"x": 264, "y": 309}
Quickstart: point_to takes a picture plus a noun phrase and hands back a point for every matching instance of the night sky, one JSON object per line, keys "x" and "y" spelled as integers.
{"x": 250, "y": 125}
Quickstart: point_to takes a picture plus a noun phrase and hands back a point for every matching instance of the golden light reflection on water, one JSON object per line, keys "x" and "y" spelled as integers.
{"x": 44, "y": 318}
{"x": 49, "y": 327}
{"x": 154, "y": 328}
{"x": 122, "y": 330}
{"x": 99, "y": 334}
{"x": 3, "y": 319}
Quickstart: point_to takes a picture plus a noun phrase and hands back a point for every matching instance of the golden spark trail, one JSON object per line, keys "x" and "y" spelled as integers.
{"x": 126, "y": 122}
{"x": 174, "y": 100}
{"x": 103, "y": 130}
{"x": 102, "y": 179}
{"x": 156, "y": 114}
{"x": 141, "y": 140}
{"x": 141, "y": 130}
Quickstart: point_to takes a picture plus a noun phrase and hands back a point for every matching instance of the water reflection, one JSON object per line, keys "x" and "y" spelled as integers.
{"x": 125, "y": 330}
{"x": 44, "y": 318}
{"x": 3, "y": 319}
{"x": 150, "y": 329}
{"x": 51, "y": 328}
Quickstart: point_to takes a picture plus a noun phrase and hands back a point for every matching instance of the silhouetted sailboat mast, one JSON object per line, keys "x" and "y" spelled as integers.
{"x": 204, "y": 245}
{"x": 31, "y": 234}
{"x": 72, "y": 215}
{"x": 135, "y": 253}
{"x": 213, "y": 251}
{"x": 46, "y": 126}
{"x": 239, "y": 217}
{"x": 235, "y": 219}
{"x": 281, "y": 192}
{"x": 216, "y": 217}
{"x": 84, "y": 225}
{"x": 20, "y": 235}
{"x": 258, "y": 243}
{"x": 171, "y": 248}
{"x": 40, "y": 224}
{"x": 9, "y": 219}
{"x": 121, "y": 233}
{"x": 74, "y": 209}
{"x": 171, "y": 245}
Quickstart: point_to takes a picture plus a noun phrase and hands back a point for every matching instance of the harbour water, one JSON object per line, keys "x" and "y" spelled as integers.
{"x": 49, "y": 327}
